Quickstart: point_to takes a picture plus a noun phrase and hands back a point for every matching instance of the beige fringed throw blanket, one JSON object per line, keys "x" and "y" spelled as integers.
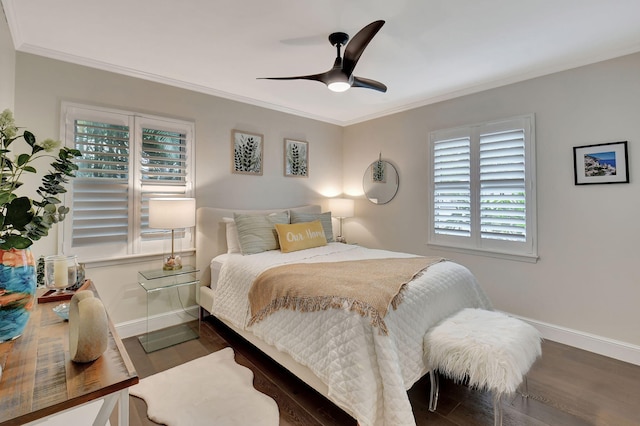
{"x": 367, "y": 287}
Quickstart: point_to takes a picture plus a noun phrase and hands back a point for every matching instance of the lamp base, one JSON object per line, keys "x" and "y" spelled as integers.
{"x": 172, "y": 263}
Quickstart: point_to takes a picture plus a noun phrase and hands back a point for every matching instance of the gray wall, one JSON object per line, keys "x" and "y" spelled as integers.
{"x": 586, "y": 279}
{"x": 42, "y": 84}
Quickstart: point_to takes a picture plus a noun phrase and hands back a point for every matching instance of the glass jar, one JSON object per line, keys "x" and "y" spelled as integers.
{"x": 60, "y": 272}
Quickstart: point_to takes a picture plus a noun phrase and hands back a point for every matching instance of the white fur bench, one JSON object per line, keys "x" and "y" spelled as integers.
{"x": 490, "y": 349}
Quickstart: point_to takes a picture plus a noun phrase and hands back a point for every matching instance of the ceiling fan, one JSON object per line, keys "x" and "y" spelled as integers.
{"x": 340, "y": 77}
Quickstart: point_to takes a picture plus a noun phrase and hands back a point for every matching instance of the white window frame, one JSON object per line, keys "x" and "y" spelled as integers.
{"x": 136, "y": 247}
{"x": 475, "y": 244}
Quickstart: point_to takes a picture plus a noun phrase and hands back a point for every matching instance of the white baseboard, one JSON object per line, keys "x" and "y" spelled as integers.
{"x": 589, "y": 342}
{"x": 157, "y": 322}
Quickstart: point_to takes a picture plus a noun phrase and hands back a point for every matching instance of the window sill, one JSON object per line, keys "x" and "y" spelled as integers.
{"x": 134, "y": 258}
{"x": 529, "y": 258}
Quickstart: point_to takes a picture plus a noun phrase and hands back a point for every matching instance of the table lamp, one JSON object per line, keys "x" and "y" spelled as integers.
{"x": 172, "y": 213}
{"x": 341, "y": 208}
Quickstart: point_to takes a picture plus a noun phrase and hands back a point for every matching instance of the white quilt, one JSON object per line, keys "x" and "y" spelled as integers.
{"x": 367, "y": 373}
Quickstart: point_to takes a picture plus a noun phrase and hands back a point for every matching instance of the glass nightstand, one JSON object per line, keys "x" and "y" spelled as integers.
{"x": 159, "y": 280}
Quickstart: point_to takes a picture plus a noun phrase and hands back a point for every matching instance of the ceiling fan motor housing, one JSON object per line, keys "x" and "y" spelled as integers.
{"x": 338, "y": 39}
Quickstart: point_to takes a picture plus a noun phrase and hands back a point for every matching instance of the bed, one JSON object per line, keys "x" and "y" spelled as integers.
{"x": 363, "y": 366}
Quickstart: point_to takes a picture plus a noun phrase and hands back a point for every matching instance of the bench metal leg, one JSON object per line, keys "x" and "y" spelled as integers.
{"x": 524, "y": 387}
{"x": 497, "y": 410}
{"x": 435, "y": 390}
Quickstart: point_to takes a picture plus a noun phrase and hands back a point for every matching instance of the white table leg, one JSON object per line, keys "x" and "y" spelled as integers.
{"x": 123, "y": 408}
{"x": 106, "y": 409}
{"x": 122, "y": 398}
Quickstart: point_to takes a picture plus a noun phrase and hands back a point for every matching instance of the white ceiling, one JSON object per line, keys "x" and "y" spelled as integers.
{"x": 428, "y": 50}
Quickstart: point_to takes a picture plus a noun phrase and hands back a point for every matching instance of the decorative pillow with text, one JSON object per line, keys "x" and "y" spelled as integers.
{"x": 300, "y": 236}
{"x": 324, "y": 218}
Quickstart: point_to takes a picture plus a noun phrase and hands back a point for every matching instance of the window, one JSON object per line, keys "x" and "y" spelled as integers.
{"x": 127, "y": 158}
{"x": 482, "y": 193}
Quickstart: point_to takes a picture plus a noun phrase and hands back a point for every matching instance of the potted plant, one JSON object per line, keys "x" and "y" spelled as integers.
{"x": 23, "y": 219}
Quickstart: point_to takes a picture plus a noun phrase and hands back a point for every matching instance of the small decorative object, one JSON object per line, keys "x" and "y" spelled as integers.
{"x": 341, "y": 208}
{"x": 60, "y": 272}
{"x": 62, "y": 310}
{"x": 172, "y": 213}
{"x": 601, "y": 163}
{"x": 296, "y": 158}
{"x": 378, "y": 170}
{"x": 25, "y": 219}
{"x": 17, "y": 291}
{"x": 88, "y": 327}
{"x": 246, "y": 153}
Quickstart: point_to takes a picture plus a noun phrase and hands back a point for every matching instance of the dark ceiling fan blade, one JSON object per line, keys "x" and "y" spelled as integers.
{"x": 368, "y": 84}
{"x": 357, "y": 45}
{"x": 315, "y": 77}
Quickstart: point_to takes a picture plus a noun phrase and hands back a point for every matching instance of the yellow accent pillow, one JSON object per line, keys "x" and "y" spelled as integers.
{"x": 300, "y": 236}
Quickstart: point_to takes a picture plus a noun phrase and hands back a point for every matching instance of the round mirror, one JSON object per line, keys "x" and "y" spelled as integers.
{"x": 380, "y": 182}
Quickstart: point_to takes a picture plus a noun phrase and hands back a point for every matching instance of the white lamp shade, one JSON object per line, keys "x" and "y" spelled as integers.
{"x": 341, "y": 207}
{"x": 172, "y": 213}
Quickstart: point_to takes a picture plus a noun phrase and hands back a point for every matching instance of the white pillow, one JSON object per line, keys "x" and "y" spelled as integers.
{"x": 233, "y": 242}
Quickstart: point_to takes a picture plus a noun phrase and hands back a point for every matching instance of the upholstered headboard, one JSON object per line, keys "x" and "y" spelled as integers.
{"x": 211, "y": 236}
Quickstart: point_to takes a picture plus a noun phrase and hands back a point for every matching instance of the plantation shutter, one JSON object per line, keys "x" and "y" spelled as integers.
{"x": 452, "y": 187}
{"x": 126, "y": 159}
{"x": 503, "y": 186}
{"x": 482, "y": 198}
{"x": 163, "y": 172}
{"x": 100, "y": 189}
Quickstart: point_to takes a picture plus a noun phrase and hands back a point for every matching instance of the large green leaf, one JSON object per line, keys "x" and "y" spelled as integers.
{"x": 29, "y": 137}
{"x": 15, "y": 241}
{"x": 23, "y": 159}
{"x": 19, "y": 213}
{"x": 6, "y": 197}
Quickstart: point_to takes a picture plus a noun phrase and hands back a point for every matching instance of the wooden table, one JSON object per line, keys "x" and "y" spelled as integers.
{"x": 39, "y": 379}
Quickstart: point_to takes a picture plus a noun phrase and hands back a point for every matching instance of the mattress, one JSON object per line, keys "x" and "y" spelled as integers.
{"x": 216, "y": 265}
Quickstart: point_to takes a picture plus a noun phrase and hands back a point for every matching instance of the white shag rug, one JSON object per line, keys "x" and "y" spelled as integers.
{"x": 211, "y": 390}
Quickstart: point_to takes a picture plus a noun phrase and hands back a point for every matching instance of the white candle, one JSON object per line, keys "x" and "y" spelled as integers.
{"x": 60, "y": 273}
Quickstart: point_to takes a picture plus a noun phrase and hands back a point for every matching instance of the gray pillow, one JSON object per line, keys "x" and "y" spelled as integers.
{"x": 324, "y": 218}
{"x": 257, "y": 233}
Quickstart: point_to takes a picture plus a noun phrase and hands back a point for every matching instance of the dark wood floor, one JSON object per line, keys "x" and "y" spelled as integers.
{"x": 567, "y": 386}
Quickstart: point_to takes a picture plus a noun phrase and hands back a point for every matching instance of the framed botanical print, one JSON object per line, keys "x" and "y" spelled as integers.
{"x": 246, "y": 152}
{"x": 296, "y": 158}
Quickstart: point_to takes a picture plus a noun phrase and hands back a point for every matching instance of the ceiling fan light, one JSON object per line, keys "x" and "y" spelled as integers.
{"x": 338, "y": 86}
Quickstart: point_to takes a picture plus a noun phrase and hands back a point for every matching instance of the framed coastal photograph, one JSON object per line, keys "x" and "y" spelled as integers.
{"x": 296, "y": 158}
{"x": 246, "y": 152}
{"x": 601, "y": 163}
